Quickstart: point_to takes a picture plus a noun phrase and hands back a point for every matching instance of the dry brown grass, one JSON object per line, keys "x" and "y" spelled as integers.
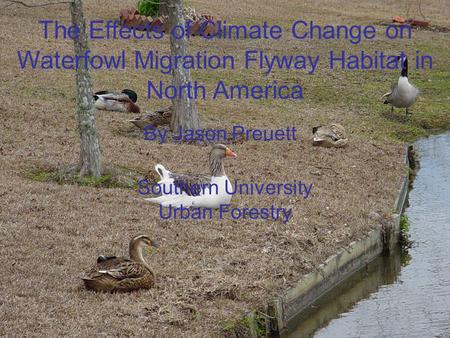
{"x": 210, "y": 271}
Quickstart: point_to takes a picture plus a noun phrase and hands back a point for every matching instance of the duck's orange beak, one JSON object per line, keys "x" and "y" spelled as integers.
{"x": 230, "y": 153}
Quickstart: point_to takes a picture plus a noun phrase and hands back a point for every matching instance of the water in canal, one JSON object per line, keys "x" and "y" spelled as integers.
{"x": 404, "y": 295}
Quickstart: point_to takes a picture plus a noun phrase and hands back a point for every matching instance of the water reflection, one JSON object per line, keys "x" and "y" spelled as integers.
{"x": 394, "y": 301}
{"x": 383, "y": 270}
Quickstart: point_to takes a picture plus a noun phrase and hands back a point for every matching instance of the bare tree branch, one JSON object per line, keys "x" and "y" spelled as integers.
{"x": 11, "y": 2}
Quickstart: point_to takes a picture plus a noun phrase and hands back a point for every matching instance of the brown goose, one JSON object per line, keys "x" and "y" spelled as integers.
{"x": 112, "y": 274}
{"x": 332, "y": 135}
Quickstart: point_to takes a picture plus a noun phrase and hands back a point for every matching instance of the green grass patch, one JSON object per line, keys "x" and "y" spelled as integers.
{"x": 148, "y": 7}
{"x": 429, "y": 113}
{"x": 246, "y": 326}
{"x": 404, "y": 223}
{"x": 405, "y": 241}
{"x": 111, "y": 178}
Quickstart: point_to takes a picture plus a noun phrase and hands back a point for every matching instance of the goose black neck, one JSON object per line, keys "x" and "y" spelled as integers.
{"x": 405, "y": 68}
{"x": 216, "y": 166}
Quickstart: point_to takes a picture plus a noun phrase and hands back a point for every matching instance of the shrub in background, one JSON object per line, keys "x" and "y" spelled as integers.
{"x": 148, "y": 7}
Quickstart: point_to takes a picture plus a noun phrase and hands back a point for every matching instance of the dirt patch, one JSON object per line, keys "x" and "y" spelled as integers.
{"x": 430, "y": 27}
{"x": 216, "y": 130}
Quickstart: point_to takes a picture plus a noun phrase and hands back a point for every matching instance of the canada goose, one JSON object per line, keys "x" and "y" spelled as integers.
{"x": 123, "y": 102}
{"x": 113, "y": 273}
{"x": 209, "y": 191}
{"x": 402, "y": 94}
{"x": 332, "y": 135}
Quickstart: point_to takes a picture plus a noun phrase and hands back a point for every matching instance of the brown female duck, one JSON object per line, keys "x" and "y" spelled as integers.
{"x": 154, "y": 118}
{"x": 332, "y": 135}
{"x": 112, "y": 274}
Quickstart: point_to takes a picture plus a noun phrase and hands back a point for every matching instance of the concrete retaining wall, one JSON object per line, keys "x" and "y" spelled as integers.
{"x": 334, "y": 270}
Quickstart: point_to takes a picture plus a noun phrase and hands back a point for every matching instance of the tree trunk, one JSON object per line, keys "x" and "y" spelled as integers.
{"x": 185, "y": 114}
{"x": 163, "y": 8}
{"x": 90, "y": 153}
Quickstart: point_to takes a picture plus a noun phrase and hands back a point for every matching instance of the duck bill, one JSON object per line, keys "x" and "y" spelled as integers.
{"x": 230, "y": 153}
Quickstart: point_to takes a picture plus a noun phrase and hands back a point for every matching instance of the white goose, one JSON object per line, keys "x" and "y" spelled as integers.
{"x": 402, "y": 94}
{"x": 197, "y": 190}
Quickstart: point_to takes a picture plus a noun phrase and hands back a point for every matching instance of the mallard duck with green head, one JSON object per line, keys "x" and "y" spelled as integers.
{"x": 123, "y": 102}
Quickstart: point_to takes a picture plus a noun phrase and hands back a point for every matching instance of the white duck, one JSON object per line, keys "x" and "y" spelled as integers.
{"x": 197, "y": 190}
{"x": 402, "y": 94}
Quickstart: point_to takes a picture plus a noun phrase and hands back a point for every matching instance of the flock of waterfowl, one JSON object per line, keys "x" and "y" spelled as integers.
{"x": 112, "y": 274}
